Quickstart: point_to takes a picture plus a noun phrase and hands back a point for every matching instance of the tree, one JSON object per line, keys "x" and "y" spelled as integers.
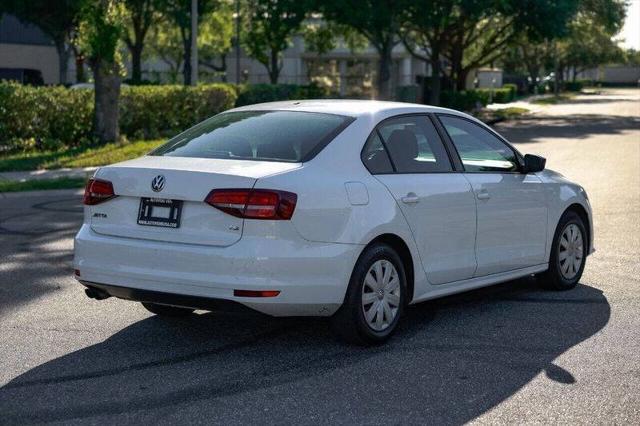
{"x": 378, "y": 21}
{"x": 582, "y": 41}
{"x": 140, "y": 16}
{"x": 589, "y": 42}
{"x": 214, "y": 42}
{"x": 425, "y": 34}
{"x": 165, "y": 44}
{"x": 271, "y": 24}
{"x": 485, "y": 28}
{"x": 588, "y": 46}
{"x": 179, "y": 12}
{"x": 215, "y": 34}
{"x": 56, "y": 18}
{"x": 101, "y": 28}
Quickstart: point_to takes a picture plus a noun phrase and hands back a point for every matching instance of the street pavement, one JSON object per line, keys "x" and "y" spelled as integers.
{"x": 511, "y": 353}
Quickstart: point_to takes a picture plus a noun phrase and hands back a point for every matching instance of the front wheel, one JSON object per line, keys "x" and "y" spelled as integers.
{"x": 568, "y": 254}
{"x": 375, "y": 298}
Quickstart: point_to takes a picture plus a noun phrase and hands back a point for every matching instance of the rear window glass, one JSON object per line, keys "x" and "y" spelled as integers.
{"x": 291, "y": 136}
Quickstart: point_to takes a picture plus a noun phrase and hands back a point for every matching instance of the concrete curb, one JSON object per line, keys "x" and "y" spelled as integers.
{"x": 47, "y": 174}
{"x": 42, "y": 193}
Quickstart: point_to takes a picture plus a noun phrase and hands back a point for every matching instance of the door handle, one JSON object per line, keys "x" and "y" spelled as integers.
{"x": 410, "y": 198}
{"x": 483, "y": 195}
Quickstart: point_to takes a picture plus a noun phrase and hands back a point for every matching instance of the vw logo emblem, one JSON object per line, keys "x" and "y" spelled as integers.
{"x": 157, "y": 183}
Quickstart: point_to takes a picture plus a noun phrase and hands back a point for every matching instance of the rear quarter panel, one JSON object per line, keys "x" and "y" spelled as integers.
{"x": 324, "y": 211}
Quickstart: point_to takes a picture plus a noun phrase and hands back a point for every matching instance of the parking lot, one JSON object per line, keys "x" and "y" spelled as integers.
{"x": 511, "y": 353}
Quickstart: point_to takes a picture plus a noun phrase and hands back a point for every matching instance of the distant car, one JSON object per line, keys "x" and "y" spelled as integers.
{"x": 25, "y": 76}
{"x": 90, "y": 86}
{"x": 345, "y": 209}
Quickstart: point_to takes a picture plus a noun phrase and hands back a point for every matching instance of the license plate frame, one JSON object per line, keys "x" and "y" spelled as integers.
{"x": 146, "y": 212}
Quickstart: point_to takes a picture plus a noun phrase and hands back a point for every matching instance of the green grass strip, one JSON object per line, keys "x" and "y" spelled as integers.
{"x": 41, "y": 184}
{"x": 77, "y": 157}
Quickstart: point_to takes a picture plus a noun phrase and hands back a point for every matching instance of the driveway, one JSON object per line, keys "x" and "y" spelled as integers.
{"x": 511, "y": 353}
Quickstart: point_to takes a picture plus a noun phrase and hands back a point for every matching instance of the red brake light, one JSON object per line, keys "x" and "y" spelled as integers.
{"x": 256, "y": 293}
{"x": 97, "y": 191}
{"x": 254, "y": 203}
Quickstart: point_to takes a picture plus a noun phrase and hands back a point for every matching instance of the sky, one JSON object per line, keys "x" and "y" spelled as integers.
{"x": 631, "y": 30}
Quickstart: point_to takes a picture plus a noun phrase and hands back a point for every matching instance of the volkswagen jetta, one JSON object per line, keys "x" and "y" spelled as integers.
{"x": 345, "y": 209}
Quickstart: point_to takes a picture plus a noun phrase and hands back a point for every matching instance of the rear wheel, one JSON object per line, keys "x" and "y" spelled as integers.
{"x": 568, "y": 254}
{"x": 167, "y": 311}
{"x": 375, "y": 298}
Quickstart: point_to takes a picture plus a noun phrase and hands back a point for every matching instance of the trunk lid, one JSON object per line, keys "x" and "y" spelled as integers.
{"x": 187, "y": 179}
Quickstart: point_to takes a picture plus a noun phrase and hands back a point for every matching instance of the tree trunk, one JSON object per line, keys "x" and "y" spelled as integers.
{"x": 63, "y": 61}
{"x": 383, "y": 82}
{"x": 186, "y": 69}
{"x": 136, "y": 62}
{"x": 434, "y": 95}
{"x": 274, "y": 68}
{"x": 456, "y": 67}
{"x": 461, "y": 79}
{"x": 107, "y": 93}
{"x": 80, "y": 76}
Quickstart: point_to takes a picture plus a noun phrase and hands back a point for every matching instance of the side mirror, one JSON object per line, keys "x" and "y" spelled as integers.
{"x": 534, "y": 163}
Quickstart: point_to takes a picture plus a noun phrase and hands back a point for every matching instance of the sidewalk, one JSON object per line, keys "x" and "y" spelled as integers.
{"x": 47, "y": 174}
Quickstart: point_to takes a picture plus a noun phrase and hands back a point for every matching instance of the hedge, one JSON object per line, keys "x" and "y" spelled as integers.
{"x": 150, "y": 112}
{"x": 258, "y": 93}
{"x": 513, "y": 90}
{"x": 45, "y": 118}
{"x": 465, "y": 100}
{"x": 573, "y": 86}
{"x": 49, "y": 118}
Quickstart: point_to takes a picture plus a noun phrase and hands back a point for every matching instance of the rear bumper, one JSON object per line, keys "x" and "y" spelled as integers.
{"x": 312, "y": 277}
{"x": 138, "y": 295}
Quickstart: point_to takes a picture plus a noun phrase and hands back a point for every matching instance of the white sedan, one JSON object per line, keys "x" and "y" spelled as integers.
{"x": 345, "y": 209}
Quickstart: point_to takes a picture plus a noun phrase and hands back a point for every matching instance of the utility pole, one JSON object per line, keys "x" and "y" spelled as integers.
{"x": 194, "y": 42}
{"x": 237, "y": 41}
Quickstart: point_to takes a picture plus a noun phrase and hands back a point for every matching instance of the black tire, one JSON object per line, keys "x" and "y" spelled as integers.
{"x": 167, "y": 311}
{"x": 349, "y": 322}
{"x": 553, "y": 278}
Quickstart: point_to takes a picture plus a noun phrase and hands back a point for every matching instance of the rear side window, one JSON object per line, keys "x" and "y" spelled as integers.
{"x": 291, "y": 136}
{"x": 375, "y": 157}
{"x": 414, "y": 145}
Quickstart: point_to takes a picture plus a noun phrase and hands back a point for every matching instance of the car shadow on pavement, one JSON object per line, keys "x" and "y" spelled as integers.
{"x": 452, "y": 360}
{"x": 34, "y": 245}
{"x": 540, "y": 128}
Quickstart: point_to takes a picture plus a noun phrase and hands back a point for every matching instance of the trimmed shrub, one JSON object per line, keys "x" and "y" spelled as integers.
{"x": 43, "y": 118}
{"x": 466, "y": 100}
{"x": 46, "y": 118}
{"x": 500, "y": 96}
{"x": 573, "y": 86}
{"x": 258, "y": 93}
{"x": 513, "y": 89}
{"x": 153, "y": 111}
{"x": 407, "y": 93}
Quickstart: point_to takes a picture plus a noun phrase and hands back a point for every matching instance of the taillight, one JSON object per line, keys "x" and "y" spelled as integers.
{"x": 254, "y": 203}
{"x": 97, "y": 191}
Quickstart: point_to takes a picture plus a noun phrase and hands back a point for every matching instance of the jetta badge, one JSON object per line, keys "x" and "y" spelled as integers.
{"x": 157, "y": 183}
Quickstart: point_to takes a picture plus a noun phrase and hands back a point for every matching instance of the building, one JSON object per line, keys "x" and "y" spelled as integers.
{"x": 347, "y": 73}
{"x": 24, "y": 46}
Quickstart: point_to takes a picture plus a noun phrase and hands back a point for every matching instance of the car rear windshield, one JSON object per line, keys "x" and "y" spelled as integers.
{"x": 291, "y": 136}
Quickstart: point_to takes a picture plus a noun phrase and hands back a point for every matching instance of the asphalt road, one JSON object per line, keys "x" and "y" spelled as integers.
{"x": 511, "y": 353}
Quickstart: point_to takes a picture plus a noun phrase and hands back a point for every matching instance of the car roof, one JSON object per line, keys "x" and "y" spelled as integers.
{"x": 348, "y": 107}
